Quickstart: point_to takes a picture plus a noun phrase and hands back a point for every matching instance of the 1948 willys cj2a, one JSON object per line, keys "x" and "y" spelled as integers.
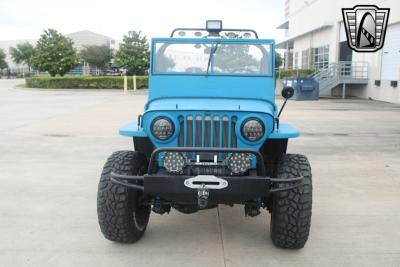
{"x": 210, "y": 134}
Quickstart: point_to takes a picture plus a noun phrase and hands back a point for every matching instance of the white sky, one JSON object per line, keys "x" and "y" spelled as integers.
{"x": 26, "y": 19}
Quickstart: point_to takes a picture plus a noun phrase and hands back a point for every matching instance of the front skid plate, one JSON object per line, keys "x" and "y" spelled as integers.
{"x": 237, "y": 190}
{"x": 205, "y": 182}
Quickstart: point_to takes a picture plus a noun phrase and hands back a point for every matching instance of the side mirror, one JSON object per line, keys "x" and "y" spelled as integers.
{"x": 287, "y": 92}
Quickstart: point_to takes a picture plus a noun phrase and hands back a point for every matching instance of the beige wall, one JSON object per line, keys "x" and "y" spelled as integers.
{"x": 384, "y": 92}
{"x": 85, "y": 38}
{"x": 306, "y": 15}
{"x": 315, "y": 39}
{"x": 6, "y": 45}
{"x": 303, "y": 17}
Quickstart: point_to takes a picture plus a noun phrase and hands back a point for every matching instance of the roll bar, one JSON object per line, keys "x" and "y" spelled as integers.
{"x": 223, "y": 30}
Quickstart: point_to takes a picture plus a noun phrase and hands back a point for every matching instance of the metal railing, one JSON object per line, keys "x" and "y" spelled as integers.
{"x": 344, "y": 69}
{"x": 342, "y": 72}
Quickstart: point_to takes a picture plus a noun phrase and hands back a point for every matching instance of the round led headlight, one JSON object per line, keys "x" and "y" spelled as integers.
{"x": 162, "y": 128}
{"x": 253, "y": 129}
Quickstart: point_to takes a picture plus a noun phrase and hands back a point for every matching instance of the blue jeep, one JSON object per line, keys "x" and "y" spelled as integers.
{"x": 209, "y": 135}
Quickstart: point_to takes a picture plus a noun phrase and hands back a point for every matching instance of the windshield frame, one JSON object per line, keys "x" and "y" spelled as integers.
{"x": 213, "y": 41}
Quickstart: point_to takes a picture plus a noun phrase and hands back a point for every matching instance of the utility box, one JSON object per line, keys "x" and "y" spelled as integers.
{"x": 304, "y": 88}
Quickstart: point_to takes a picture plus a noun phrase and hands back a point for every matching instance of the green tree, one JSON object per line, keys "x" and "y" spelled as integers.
{"x": 133, "y": 53}
{"x": 235, "y": 58}
{"x": 97, "y": 55}
{"x": 164, "y": 63}
{"x": 169, "y": 62}
{"x": 22, "y": 54}
{"x": 278, "y": 59}
{"x": 54, "y": 53}
{"x": 3, "y": 62}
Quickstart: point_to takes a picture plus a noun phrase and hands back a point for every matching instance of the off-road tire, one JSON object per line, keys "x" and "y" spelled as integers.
{"x": 121, "y": 217}
{"x": 291, "y": 210}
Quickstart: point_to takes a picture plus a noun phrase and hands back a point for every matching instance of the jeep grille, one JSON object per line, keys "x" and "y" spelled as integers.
{"x": 200, "y": 130}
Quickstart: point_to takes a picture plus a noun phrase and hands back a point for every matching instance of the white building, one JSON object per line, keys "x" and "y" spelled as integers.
{"x": 316, "y": 38}
{"x": 6, "y": 45}
{"x": 86, "y": 38}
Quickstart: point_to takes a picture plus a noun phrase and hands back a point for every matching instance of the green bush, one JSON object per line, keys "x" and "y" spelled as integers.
{"x": 23, "y": 75}
{"x": 85, "y": 82}
{"x": 283, "y": 73}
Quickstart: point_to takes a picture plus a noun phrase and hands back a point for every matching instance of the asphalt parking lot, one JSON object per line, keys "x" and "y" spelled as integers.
{"x": 54, "y": 143}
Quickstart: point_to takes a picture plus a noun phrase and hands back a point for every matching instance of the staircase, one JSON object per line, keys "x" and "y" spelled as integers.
{"x": 341, "y": 73}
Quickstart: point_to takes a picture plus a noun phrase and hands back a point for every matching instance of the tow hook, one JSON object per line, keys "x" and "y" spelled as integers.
{"x": 252, "y": 209}
{"x": 202, "y": 196}
{"x": 160, "y": 208}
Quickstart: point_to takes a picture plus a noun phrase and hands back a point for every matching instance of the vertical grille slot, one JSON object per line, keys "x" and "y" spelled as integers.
{"x": 216, "y": 131}
{"x": 225, "y": 131}
{"x": 189, "y": 131}
{"x": 199, "y": 131}
{"x": 181, "y": 138}
{"x": 208, "y": 131}
{"x": 233, "y": 132}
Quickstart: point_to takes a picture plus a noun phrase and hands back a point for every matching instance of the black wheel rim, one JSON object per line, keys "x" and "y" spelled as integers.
{"x": 140, "y": 214}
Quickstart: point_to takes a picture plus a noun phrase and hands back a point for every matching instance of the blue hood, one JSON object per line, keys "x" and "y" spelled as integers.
{"x": 211, "y": 104}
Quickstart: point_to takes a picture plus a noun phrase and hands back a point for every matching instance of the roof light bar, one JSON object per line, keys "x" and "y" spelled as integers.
{"x": 214, "y": 27}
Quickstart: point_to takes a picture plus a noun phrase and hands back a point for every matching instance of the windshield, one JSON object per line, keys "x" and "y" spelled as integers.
{"x": 212, "y": 58}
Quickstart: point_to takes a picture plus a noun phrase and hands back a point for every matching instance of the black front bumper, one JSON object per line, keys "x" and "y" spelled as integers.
{"x": 239, "y": 189}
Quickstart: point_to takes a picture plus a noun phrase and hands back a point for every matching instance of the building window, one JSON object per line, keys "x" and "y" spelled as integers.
{"x": 296, "y": 60}
{"x": 304, "y": 59}
{"x": 288, "y": 58}
{"x": 321, "y": 57}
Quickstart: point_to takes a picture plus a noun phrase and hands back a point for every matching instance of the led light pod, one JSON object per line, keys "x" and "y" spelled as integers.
{"x": 239, "y": 163}
{"x": 174, "y": 162}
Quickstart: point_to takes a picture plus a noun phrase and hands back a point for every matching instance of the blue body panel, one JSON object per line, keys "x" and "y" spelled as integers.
{"x": 267, "y": 119}
{"x": 132, "y": 129}
{"x": 211, "y": 86}
{"x": 286, "y": 130}
{"x": 211, "y": 104}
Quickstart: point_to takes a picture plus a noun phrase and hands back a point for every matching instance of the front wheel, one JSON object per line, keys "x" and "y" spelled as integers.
{"x": 121, "y": 213}
{"x": 291, "y": 210}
